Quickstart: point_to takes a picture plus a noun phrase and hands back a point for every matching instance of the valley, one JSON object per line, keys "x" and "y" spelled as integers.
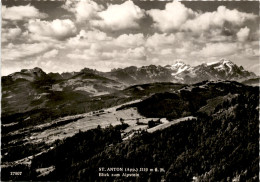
{"x": 58, "y": 130}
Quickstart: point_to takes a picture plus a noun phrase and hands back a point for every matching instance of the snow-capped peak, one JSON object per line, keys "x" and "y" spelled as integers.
{"x": 179, "y": 67}
{"x": 212, "y": 63}
{"x": 222, "y": 64}
{"x": 179, "y": 63}
{"x": 221, "y": 61}
{"x": 227, "y": 62}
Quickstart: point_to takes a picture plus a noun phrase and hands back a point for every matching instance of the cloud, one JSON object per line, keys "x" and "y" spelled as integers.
{"x": 119, "y": 17}
{"x": 251, "y": 52}
{"x": 107, "y": 36}
{"x": 130, "y": 40}
{"x": 233, "y": 16}
{"x": 166, "y": 51}
{"x": 114, "y": 17}
{"x": 217, "y": 35}
{"x": 84, "y": 10}
{"x": 205, "y": 21}
{"x": 95, "y": 45}
{"x": 138, "y": 53}
{"x": 250, "y": 49}
{"x": 57, "y": 29}
{"x": 10, "y": 34}
{"x": 176, "y": 16}
{"x": 86, "y": 38}
{"x": 95, "y": 48}
{"x": 159, "y": 40}
{"x": 92, "y": 52}
{"x": 16, "y": 52}
{"x": 243, "y": 34}
{"x": 219, "y": 49}
{"x": 51, "y": 54}
{"x": 98, "y": 53}
{"x": 21, "y": 12}
{"x": 125, "y": 55}
{"x": 172, "y": 17}
{"x": 185, "y": 48}
{"x": 97, "y": 38}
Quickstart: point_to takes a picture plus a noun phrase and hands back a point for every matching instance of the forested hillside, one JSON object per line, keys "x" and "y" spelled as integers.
{"x": 220, "y": 145}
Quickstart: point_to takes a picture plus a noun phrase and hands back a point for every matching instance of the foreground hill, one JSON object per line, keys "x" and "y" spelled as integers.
{"x": 219, "y": 144}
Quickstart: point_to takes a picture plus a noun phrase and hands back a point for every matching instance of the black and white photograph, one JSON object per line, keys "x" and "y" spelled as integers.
{"x": 130, "y": 90}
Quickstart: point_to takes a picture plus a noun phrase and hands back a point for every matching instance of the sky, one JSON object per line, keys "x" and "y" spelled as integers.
{"x": 64, "y": 36}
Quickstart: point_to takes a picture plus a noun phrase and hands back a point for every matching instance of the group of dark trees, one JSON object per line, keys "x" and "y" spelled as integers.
{"x": 68, "y": 153}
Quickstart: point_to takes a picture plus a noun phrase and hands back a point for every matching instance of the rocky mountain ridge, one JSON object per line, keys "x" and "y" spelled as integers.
{"x": 177, "y": 73}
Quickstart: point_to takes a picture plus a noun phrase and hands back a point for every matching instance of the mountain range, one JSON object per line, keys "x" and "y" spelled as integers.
{"x": 117, "y": 78}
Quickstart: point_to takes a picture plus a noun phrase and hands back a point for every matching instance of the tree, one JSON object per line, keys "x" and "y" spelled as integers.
{"x": 151, "y": 124}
